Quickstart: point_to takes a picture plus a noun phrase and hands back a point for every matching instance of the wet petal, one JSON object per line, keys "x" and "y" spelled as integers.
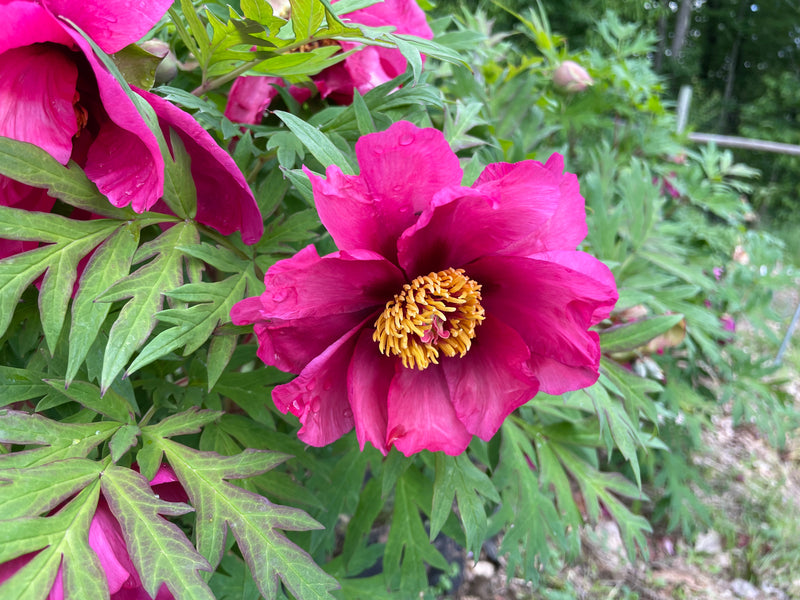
{"x": 224, "y": 199}
{"x": 249, "y": 98}
{"x": 37, "y": 84}
{"x": 420, "y": 414}
{"x": 112, "y": 24}
{"x": 551, "y": 307}
{"x": 368, "y": 381}
{"x": 318, "y": 396}
{"x": 105, "y": 538}
{"x": 491, "y": 379}
{"x": 401, "y": 170}
{"x": 26, "y": 23}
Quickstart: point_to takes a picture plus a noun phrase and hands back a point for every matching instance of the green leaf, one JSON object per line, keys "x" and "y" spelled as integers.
{"x": 183, "y": 423}
{"x": 18, "y": 385}
{"x": 317, "y": 143}
{"x": 145, "y": 288}
{"x": 34, "y": 166}
{"x": 458, "y": 477}
{"x": 630, "y": 336}
{"x": 64, "y": 542}
{"x": 253, "y": 520}
{"x": 88, "y": 395}
{"x": 32, "y": 491}
{"x": 180, "y": 193}
{"x": 307, "y": 16}
{"x": 137, "y": 65}
{"x": 220, "y": 351}
{"x": 297, "y": 227}
{"x": 59, "y": 440}
{"x": 193, "y": 325}
{"x": 110, "y": 262}
{"x": 160, "y": 551}
{"x": 219, "y": 257}
{"x": 123, "y": 440}
{"x": 409, "y": 540}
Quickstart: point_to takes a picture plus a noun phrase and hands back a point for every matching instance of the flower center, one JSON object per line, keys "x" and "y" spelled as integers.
{"x": 435, "y": 312}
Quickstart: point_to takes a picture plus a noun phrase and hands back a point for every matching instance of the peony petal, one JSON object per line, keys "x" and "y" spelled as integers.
{"x": 249, "y": 98}
{"x": 401, "y": 170}
{"x": 224, "y": 199}
{"x": 121, "y": 170}
{"x": 551, "y": 307}
{"x": 37, "y": 88}
{"x": 112, "y": 24}
{"x": 127, "y": 166}
{"x": 26, "y": 23}
{"x": 318, "y": 396}
{"x": 368, "y": 380}
{"x": 405, "y": 15}
{"x": 310, "y": 302}
{"x": 420, "y": 415}
{"x": 105, "y": 538}
{"x": 491, "y": 379}
{"x": 308, "y": 285}
{"x": 529, "y": 184}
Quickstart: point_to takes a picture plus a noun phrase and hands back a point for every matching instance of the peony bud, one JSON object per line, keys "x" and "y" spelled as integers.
{"x": 571, "y": 77}
{"x": 168, "y": 67}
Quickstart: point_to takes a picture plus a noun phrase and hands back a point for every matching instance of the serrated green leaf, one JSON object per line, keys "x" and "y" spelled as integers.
{"x": 220, "y": 351}
{"x": 32, "y": 491}
{"x": 307, "y": 16}
{"x": 64, "y": 542}
{"x": 222, "y": 259}
{"x": 34, "y": 166}
{"x": 18, "y": 385}
{"x": 253, "y": 520}
{"x": 111, "y": 404}
{"x": 180, "y": 192}
{"x": 297, "y": 227}
{"x": 632, "y": 388}
{"x": 109, "y": 262}
{"x": 369, "y": 507}
{"x": 459, "y": 478}
{"x": 409, "y": 540}
{"x": 632, "y": 335}
{"x": 160, "y": 551}
{"x": 145, "y": 288}
{"x": 193, "y": 325}
{"x": 317, "y": 143}
{"x": 123, "y": 440}
{"x": 59, "y": 440}
{"x": 183, "y": 423}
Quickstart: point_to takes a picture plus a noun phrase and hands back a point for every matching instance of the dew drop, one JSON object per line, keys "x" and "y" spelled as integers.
{"x": 327, "y": 385}
{"x": 296, "y": 405}
{"x": 315, "y": 404}
{"x": 406, "y": 139}
{"x": 311, "y": 385}
{"x": 347, "y": 413}
{"x": 74, "y": 442}
{"x": 97, "y": 432}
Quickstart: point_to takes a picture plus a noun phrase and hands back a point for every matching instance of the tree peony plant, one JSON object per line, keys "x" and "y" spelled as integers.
{"x": 445, "y": 308}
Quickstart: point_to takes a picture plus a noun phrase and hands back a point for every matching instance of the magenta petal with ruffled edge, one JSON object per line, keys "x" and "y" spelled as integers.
{"x": 224, "y": 199}
{"x": 26, "y": 23}
{"x": 249, "y": 98}
{"x": 551, "y": 307}
{"x": 318, "y": 395}
{"x": 112, "y": 24}
{"x": 491, "y": 379}
{"x": 37, "y": 88}
{"x": 372, "y": 209}
{"x": 368, "y": 381}
{"x": 421, "y": 416}
{"x": 130, "y": 171}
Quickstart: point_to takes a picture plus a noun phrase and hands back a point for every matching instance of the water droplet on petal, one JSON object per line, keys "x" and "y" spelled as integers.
{"x": 347, "y": 413}
{"x": 327, "y": 385}
{"x": 315, "y": 404}
{"x": 311, "y": 384}
{"x": 280, "y": 294}
{"x": 406, "y": 139}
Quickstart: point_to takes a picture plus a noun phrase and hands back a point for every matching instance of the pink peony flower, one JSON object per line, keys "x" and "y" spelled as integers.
{"x": 445, "y": 308}
{"x": 107, "y": 541}
{"x": 571, "y": 77}
{"x": 56, "y": 94}
{"x": 363, "y": 70}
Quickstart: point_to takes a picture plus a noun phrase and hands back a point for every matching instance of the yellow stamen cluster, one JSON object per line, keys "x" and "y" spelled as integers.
{"x": 434, "y": 313}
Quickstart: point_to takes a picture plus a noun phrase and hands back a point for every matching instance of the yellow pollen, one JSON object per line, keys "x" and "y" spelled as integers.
{"x": 434, "y": 313}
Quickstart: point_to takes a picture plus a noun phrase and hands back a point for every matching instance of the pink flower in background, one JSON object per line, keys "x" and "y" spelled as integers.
{"x": 445, "y": 308}
{"x": 363, "y": 70}
{"x": 56, "y": 94}
{"x": 571, "y": 77}
{"x": 108, "y": 542}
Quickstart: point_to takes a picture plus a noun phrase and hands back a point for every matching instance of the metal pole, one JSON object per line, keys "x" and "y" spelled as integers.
{"x": 785, "y": 342}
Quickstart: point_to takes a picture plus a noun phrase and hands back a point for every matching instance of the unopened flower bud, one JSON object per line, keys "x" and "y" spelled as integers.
{"x": 167, "y": 69}
{"x": 571, "y": 77}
